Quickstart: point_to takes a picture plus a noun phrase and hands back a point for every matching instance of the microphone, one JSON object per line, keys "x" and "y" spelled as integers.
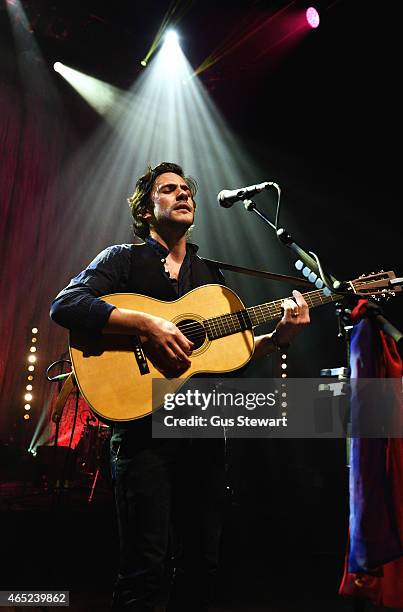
{"x": 227, "y": 197}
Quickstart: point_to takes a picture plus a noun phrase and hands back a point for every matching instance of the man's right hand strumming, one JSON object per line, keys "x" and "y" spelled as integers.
{"x": 165, "y": 343}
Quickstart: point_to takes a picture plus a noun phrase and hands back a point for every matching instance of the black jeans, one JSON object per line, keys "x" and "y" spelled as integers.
{"x": 169, "y": 499}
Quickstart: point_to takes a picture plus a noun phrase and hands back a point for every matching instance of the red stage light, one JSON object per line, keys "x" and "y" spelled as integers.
{"x": 312, "y": 17}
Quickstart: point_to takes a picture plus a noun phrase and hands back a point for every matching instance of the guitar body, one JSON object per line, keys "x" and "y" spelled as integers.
{"x": 115, "y": 372}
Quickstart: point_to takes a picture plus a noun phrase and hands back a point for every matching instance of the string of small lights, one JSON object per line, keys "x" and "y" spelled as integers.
{"x": 32, "y": 358}
{"x": 284, "y": 367}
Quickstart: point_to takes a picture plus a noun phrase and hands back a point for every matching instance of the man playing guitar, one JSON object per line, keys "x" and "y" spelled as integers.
{"x": 168, "y": 492}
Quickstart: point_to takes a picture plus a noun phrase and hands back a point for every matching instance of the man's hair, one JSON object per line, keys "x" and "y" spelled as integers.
{"x": 140, "y": 202}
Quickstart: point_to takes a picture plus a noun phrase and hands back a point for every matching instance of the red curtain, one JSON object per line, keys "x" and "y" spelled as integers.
{"x": 35, "y": 140}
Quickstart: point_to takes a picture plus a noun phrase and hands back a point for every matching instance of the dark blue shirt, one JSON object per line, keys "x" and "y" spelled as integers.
{"x": 79, "y": 306}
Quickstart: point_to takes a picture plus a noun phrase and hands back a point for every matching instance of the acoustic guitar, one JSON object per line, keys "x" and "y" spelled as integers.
{"x": 115, "y": 372}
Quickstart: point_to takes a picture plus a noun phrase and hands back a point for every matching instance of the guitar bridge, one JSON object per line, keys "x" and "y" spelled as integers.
{"x": 140, "y": 356}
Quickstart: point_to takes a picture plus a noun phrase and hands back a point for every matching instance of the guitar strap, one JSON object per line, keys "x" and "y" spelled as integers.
{"x": 283, "y": 278}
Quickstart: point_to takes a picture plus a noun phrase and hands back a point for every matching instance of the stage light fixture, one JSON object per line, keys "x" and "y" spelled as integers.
{"x": 57, "y": 66}
{"x": 27, "y": 406}
{"x": 26, "y": 416}
{"x": 312, "y": 17}
{"x": 143, "y": 63}
{"x": 32, "y": 358}
{"x": 33, "y": 349}
{"x": 34, "y": 330}
{"x": 28, "y": 397}
{"x": 31, "y": 368}
{"x": 29, "y": 387}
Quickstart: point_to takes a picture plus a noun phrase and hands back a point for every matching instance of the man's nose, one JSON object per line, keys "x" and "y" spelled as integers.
{"x": 182, "y": 194}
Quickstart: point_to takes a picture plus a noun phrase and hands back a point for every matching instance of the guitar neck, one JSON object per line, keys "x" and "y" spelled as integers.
{"x": 232, "y": 323}
{"x": 264, "y": 313}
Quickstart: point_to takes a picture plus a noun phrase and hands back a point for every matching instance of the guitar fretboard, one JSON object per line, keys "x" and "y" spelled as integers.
{"x": 231, "y": 323}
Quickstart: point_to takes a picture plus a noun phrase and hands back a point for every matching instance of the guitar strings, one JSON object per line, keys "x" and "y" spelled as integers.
{"x": 222, "y": 320}
{"x": 198, "y": 329}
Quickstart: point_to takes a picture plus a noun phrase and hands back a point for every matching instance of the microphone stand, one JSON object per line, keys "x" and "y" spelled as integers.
{"x": 313, "y": 268}
{"x": 314, "y": 271}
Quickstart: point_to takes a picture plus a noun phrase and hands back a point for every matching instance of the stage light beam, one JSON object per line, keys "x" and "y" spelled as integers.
{"x": 171, "y": 37}
{"x": 171, "y": 53}
{"x": 100, "y": 95}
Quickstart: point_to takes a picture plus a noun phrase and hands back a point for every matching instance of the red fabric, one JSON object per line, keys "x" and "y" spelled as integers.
{"x": 390, "y": 363}
{"x": 384, "y": 586}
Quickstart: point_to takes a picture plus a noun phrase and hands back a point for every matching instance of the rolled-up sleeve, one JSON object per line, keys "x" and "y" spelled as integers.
{"x": 78, "y": 305}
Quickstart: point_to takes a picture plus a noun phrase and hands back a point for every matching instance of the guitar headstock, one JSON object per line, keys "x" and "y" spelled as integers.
{"x": 375, "y": 285}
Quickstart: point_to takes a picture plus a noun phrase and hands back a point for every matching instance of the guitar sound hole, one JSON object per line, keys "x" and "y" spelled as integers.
{"x": 194, "y": 331}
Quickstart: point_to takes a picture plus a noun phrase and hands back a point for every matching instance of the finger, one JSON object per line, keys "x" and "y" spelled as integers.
{"x": 299, "y": 298}
{"x": 179, "y": 353}
{"x": 183, "y": 342}
{"x": 291, "y": 309}
{"x": 170, "y": 354}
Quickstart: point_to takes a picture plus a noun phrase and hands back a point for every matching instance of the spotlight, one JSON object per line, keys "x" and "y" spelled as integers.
{"x": 143, "y": 63}
{"x": 27, "y": 406}
{"x": 171, "y": 37}
{"x": 29, "y": 387}
{"x": 31, "y": 368}
{"x": 57, "y": 68}
{"x": 32, "y": 359}
{"x": 171, "y": 57}
{"x": 312, "y": 17}
{"x": 28, "y": 397}
{"x": 34, "y": 330}
{"x": 26, "y": 416}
